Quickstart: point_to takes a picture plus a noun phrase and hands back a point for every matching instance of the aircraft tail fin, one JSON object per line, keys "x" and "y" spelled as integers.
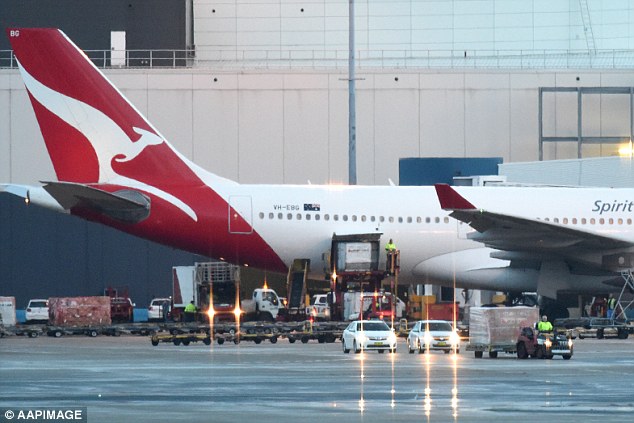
{"x": 92, "y": 132}
{"x": 450, "y": 199}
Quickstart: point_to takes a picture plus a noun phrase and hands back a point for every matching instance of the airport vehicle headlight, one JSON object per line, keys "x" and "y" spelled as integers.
{"x": 427, "y": 338}
{"x": 570, "y": 343}
{"x": 391, "y": 338}
{"x": 548, "y": 343}
{"x": 454, "y": 339}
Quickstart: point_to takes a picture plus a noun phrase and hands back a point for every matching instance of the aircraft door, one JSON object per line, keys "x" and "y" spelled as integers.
{"x": 240, "y": 214}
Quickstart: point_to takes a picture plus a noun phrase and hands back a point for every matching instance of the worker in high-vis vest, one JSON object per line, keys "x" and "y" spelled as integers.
{"x": 390, "y": 251}
{"x": 611, "y": 306}
{"x": 190, "y": 312}
{"x": 544, "y": 325}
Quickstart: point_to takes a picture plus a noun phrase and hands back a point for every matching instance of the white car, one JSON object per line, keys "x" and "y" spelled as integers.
{"x": 433, "y": 335}
{"x": 368, "y": 335}
{"x": 155, "y": 309}
{"x": 37, "y": 311}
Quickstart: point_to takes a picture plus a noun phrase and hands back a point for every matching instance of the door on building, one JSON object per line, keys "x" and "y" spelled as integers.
{"x": 117, "y": 48}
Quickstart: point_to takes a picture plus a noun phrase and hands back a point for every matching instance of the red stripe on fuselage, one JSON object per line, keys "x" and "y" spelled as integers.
{"x": 208, "y": 236}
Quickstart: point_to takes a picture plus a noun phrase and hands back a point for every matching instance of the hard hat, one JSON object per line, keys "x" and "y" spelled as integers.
{"x": 544, "y": 318}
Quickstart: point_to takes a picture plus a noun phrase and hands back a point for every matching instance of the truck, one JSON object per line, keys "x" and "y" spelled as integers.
{"x": 497, "y": 329}
{"x": 215, "y": 289}
{"x": 264, "y": 305}
{"x": 375, "y": 305}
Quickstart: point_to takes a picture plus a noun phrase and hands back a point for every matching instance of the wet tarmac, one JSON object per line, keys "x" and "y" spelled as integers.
{"x": 126, "y": 379}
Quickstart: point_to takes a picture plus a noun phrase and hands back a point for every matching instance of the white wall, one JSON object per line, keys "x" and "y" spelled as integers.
{"x": 226, "y": 28}
{"x": 291, "y": 127}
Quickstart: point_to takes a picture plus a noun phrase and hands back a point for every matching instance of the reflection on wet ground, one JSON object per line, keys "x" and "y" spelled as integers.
{"x": 126, "y": 379}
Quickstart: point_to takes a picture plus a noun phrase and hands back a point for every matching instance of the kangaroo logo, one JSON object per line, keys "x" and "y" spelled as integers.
{"x": 108, "y": 140}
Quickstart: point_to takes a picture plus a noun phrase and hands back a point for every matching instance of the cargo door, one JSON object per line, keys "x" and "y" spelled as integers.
{"x": 240, "y": 214}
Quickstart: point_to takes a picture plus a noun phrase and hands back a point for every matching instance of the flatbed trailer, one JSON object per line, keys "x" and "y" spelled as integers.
{"x": 491, "y": 349}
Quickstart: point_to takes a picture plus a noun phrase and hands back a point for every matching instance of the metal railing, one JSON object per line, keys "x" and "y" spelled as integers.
{"x": 366, "y": 59}
{"x": 131, "y": 58}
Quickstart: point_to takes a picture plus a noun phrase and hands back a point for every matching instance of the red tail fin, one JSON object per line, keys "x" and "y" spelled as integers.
{"x": 90, "y": 129}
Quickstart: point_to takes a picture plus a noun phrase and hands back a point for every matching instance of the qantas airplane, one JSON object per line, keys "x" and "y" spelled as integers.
{"x": 115, "y": 168}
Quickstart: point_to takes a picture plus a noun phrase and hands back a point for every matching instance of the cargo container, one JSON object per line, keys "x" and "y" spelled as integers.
{"x": 7, "y": 311}
{"x": 79, "y": 311}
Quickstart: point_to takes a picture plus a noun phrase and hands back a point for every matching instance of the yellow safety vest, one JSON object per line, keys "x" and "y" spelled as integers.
{"x": 544, "y": 327}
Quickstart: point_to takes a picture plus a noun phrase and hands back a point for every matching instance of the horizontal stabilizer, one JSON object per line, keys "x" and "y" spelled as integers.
{"x": 125, "y": 205}
{"x": 450, "y": 199}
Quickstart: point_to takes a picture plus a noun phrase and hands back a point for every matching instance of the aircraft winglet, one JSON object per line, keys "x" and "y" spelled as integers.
{"x": 450, "y": 199}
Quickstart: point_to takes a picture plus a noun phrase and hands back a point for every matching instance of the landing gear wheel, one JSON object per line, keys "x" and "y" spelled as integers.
{"x": 493, "y": 354}
{"x": 478, "y": 354}
{"x": 220, "y": 341}
{"x": 273, "y": 339}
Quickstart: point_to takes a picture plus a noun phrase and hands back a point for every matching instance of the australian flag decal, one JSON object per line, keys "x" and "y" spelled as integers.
{"x": 311, "y": 207}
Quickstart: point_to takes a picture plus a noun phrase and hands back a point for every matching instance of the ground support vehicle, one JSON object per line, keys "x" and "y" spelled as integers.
{"x": 496, "y": 330}
{"x": 430, "y": 335}
{"x": 322, "y": 332}
{"x": 214, "y": 288}
{"x": 595, "y": 327}
{"x": 531, "y": 343}
{"x": 184, "y": 338}
{"x": 368, "y": 335}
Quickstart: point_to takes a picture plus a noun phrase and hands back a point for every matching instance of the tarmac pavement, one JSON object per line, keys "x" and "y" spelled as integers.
{"x": 126, "y": 379}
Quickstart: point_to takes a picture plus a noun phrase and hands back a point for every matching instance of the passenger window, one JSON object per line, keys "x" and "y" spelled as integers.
{"x": 391, "y": 219}
{"x": 299, "y": 216}
{"x": 345, "y": 217}
{"x": 289, "y": 216}
{"x": 446, "y": 219}
{"x": 326, "y": 216}
{"x": 437, "y": 220}
{"x": 335, "y": 217}
{"x": 271, "y": 215}
{"x": 307, "y": 217}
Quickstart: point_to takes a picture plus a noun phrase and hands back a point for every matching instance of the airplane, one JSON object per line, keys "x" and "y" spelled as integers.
{"x": 115, "y": 168}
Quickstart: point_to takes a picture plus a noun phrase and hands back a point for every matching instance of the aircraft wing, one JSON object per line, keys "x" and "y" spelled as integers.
{"x": 520, "y": 234}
